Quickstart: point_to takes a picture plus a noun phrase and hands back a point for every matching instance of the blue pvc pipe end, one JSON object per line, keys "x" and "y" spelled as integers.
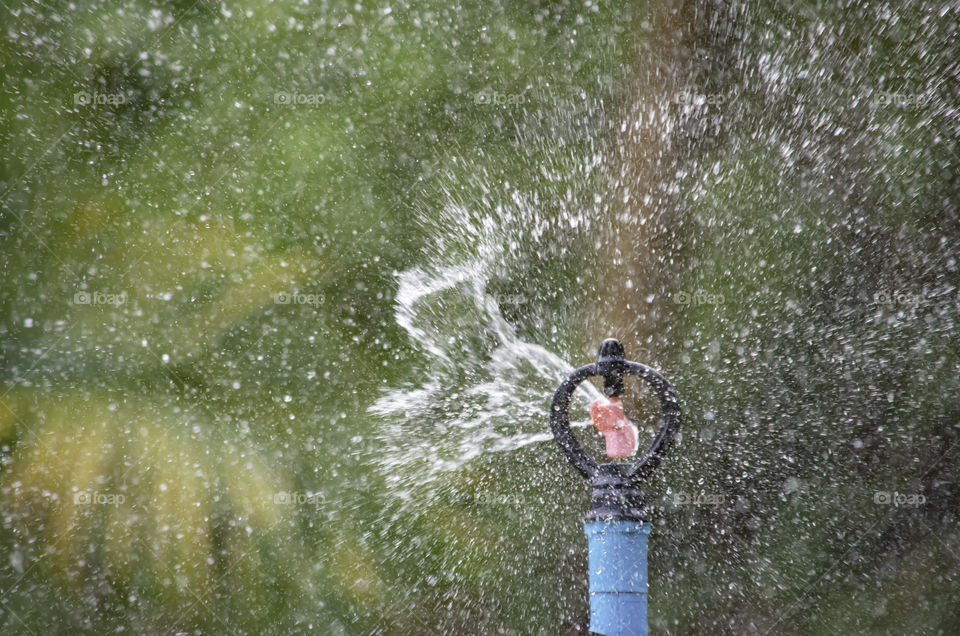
{"x": 618, "y": 577}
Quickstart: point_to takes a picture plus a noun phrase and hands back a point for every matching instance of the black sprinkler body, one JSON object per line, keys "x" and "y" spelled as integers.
{"x": 616, "y": 486}
{"x": 617, "y": 525}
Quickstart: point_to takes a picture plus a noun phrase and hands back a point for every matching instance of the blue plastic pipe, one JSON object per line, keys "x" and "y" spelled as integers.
{"x": 618, "y": 577}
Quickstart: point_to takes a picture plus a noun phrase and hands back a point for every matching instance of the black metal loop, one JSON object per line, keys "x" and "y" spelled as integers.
{"x": 612, "y": 366}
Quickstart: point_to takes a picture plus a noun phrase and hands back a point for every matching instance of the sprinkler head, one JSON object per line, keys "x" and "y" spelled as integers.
{"x": 611, "y": 349}
{"x": 611, "y": 364}
{"x": 616, "y": 491}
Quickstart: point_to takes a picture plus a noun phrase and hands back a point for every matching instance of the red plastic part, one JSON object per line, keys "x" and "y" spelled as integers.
{"x": 619, "y": 433}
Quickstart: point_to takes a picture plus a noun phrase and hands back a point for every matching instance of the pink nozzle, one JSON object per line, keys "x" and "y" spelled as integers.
{"x": 619, "y": 432}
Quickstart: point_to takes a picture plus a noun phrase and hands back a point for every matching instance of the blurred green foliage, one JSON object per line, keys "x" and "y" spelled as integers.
{"x": 265, "y": 149}
{"x": 189, "y": 162}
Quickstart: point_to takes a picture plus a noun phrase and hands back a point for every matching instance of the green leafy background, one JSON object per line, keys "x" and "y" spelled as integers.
{"x": 820, "y": 222}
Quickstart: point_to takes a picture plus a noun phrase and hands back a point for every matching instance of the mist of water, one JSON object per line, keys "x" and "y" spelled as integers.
{"x": 484, "y": 388}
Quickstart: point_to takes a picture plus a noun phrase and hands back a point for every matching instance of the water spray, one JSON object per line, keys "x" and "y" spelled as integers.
{"x": 617, "y": 523}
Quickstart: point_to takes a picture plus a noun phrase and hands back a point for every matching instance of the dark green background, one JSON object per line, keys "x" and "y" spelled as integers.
{"x": 818, "y": 218}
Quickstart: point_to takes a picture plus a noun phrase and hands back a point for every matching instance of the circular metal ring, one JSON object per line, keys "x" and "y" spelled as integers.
{"x": 650, "y": 459}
